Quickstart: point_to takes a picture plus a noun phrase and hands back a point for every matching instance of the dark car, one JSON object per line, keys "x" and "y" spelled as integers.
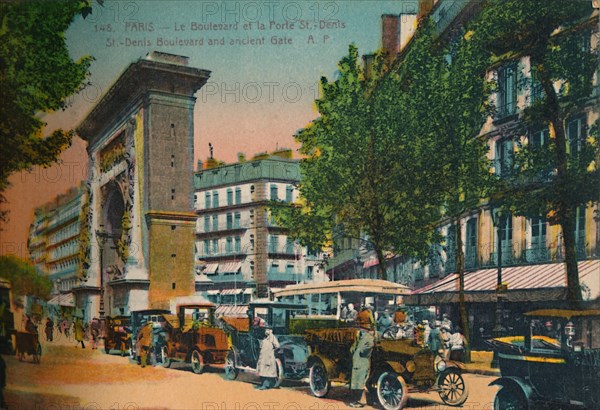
{"x": 247, "y": 333}
{"x": 555, "y": 364}
{"x": 118, "y": 333}
{"x": 192, "y": 337}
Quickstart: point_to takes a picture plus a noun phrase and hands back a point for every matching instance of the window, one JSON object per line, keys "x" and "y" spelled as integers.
{"x": 580, "y": 231}
{"x": 215, "y": 199}
{"x": 507, "y": 90}
{"x": 450, "y": 264}
{"x": 207, "y": 247}
{"x": 273, "y": 244}
{"x": 289, "y": 246}
{"x": 238, "y": 196}
{"x": 238, "y": 244}
{"x": 215, "y": 219}
{"x": 537, "y": 92}
{"x": 274, "y": 195}
{"x": 229, "y": 221}
{"x": 252, "y": 217}
{"x": 506, "y": 238}
{"x": 575, "y": 134}
{"x": 289, "y": 191}
{"x": 537, "y": 251}
{"x": 251, "y": 242}
{"x": 207, "y": 223}
{"x": 215, "y": 246}
{"x": 229, "y": 196}
{"x": 207, "y": 200}
{"x": 539, "y": 138}
{"x": 274, "y": 267}
{"x": 237, "y": 220}
{"x": 504, "y": 157}
{"x": 309, "y": 272}
{"x": 471, "y": 244}
{"x": 228, "y": 245}
{"x": 289, "y": 269}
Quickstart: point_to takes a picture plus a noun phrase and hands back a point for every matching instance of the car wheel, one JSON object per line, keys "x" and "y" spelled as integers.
{"x": 453, "y": 390}
{"x": 391, "y": 391}
{"x": 280, "y": 373}
{"x": 231, "y": 372}
{"x": 319, "y": 380}
{"x": 510, "y": 398}
{"x": 197, "y": 362}
{"x": 390, "y": 333}
{"x": 165, "y": 361}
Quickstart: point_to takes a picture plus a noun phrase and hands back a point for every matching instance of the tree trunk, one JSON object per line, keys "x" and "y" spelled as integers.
{"x": 460, "y": 271}
{"x": 381, "y": 272}
{"x": 565, "y": 211}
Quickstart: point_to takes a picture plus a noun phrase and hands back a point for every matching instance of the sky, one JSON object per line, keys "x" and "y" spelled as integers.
{"x": 266, "y": 59}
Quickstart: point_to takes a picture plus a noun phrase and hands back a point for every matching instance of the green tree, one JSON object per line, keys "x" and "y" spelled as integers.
{"x": 559, "y": 176}
{"x": 26, "y": 281}
{"x": 37, "y": 76}
{"x": 357, "y": 173}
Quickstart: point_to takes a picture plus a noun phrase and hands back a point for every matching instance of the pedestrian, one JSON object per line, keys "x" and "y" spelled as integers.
{"x": 445, "y": 333}
{"x": 446, "y": 322}
{"x": 457, "y": 345}
{"x": 352, "y": 313}
{"x": 366, "y": 317}
{"x": 95, "y": 332}
{"x": 124, "y": 338}
{"x": 384, "y": 321}
{"x": 435, "y": 341}
{"x": 49, "y": 329}
{"x": 361, "y": 364}
{"x": 79, "y": 332}
{"x": 145, "y": 343}
{"x": 343, "y": 312}
{"x": 30, "y": 327}
{"x": 399, "y": 316}
{"x": 267, "y": 363}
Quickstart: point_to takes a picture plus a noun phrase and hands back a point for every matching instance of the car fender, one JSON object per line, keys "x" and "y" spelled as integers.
{"x": 328, "y": 363}
{"x": 452, "y": 363}
{"x": 517, "y": 383}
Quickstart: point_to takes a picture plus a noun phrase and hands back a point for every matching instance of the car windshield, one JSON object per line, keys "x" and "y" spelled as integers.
{"x": 576, "y": 333}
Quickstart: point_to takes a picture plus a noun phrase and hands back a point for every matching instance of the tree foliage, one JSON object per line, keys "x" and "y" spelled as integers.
{"x": 551, "y": 180}
{"x": 26, "y": 281}
{"x": 359, "y": 173}
{"x": 37, "y": 76}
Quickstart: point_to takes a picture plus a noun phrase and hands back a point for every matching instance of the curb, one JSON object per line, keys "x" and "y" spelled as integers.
{"x": 484, "y": 372}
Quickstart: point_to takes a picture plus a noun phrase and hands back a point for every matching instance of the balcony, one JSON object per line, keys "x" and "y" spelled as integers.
{"x": 284, "y": 276}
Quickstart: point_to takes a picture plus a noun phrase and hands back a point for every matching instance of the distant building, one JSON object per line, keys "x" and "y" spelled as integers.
{"x": 241, "y": 253}
{"x": 54, "y": 244}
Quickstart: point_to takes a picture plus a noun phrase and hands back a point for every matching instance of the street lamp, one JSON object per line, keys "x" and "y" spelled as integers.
{"x": 101, "y": 236}
{"x": 499, "y": 218}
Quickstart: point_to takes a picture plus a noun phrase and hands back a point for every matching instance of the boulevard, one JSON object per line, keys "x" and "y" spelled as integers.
{"x": 69, "y": 377}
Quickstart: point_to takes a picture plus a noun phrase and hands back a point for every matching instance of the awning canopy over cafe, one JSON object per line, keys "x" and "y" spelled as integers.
{"x": 529, "y": 283}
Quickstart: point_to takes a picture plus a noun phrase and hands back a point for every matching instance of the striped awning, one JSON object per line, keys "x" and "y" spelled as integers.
{"x": 371, "y": 262}
{"x": 524, "y": 283}
{"x": 230, "y": 267}
{"x": 211, "y": 268}
{"x": 226, "y": 292}
{"x": 67, "y": 299}
{"x": 230, "y": 310}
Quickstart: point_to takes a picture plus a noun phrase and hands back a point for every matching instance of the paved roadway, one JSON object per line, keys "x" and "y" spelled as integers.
{"x": 69, "y": 377}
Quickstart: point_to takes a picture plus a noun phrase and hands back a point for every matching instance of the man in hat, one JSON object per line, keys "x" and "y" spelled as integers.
{"x": 145, "y": 343}
{"x": 352, "y": 313}
{"x": 435, "y": 340}
{"x": 361, "y": 363}
{"x": 267, "y": 364}
{"x": 366, "y": 317}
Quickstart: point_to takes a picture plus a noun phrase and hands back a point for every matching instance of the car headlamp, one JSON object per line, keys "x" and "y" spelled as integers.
{"x": 440, "y": 366}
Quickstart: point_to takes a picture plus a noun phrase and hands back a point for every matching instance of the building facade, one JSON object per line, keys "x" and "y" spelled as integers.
{"x": 241, "y": 253}
{"x": 55, "y": 246}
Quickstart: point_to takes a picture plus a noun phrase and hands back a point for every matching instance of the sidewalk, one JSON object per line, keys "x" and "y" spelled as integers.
{"x": 481, "y": 364}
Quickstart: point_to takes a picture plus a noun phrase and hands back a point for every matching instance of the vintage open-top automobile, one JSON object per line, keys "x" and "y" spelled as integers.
{"x": 192, "y": 337}
{"x": 398, "y": 367}
{"x": 247, "y": 333}
{"x": 555, "y": 363}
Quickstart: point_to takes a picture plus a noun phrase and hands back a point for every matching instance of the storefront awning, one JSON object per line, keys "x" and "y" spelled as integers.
{"x": 226, "y": 292}
{"x": 67, "y": 299}
{"x": 248, "y": 291}
{"x": 229, "y": 310}
{"x": 212, "y": 292}
{"x": 230, "y": 267}
{"x": 211, "y": 268}
{"x": 528, "y": 283}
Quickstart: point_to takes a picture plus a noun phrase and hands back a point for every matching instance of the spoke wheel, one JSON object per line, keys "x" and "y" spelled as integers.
{"x": 391, "y": 391}
{"x": 165, "y": 361}
{"x": 319, "y": 381}
{"x": 509, "y": 398}
{"x": 197, "y": 362}
{"x": 453, "y": 390}
{"x": 231, "y": 372}
{"x": 280, "y": 373}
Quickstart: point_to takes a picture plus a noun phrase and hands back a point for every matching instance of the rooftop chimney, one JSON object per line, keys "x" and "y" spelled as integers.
{"x": 390, "y": 34}
{"x": 168, "y": 58}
